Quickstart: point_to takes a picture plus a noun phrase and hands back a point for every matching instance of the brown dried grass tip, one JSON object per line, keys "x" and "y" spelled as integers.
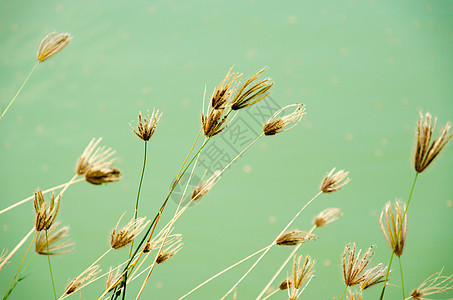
{"x": 127, "y": 233}
{"x": 277, "y": 124}
{"x": 213, "y": 123}
{"x": 113, "y": 279}
{"x": 353, "y": 265}
{"x": 327, "y": 216}
{"x": 147, "y": 125}
{"x": 247, "y": 96}
{"x": 203, "y": 187}
{"x": 170, "y": 249}
{"x": 393, "y": 227}
{"x": 302, "y": 275}
{"x": 52, "y": 243}
{"x": 434, "y": 284}
{"x": 104, "y": 175}
{"x": 424, "y": 152}
{"x": 293, "y": 238}
{"x": 45, "y": 217}
{"x": 51, "y": 45}
{"x": 94, "y": 157}
{"x": 373, "y": 276}
{"x": 224, "y": 90}
{"x": 286, "y": 284}
{"x": 77, "y": 283}
{"x": 333, "y": 182}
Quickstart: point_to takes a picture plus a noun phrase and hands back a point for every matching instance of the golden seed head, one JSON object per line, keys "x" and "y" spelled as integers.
{"x": 157, "y": 241}
{"x": 353, "y": 265}
{"x": 393, "y": 227}
{"x": 286, "y": 284}
{"x": 45, "y": 217}
{"x": 103, "y": 175}
{"x": 333, "y": 182}
{"x": 112, "y": 279}
{"x": 170, "y": 249}
{"x": 302, "y": 274}
{"x": 434, "y": 284}
{"x": 224, "y": 90}
{"x": 373, "y": 276}
{"x": 424, "y": 152}
{"x": 119, "y": 239}
{"x": 53, "y": 244}
{"x": 147, "y": 125}
{"x": 293, "y": 238}
{"x": 248, "y": 95}
{"x": 203, "y": 187}
{"x": 94, "y": 157}
{"x": 327, "y": 216}
{"x": 51, "y": 45}
{"x": 213, "y": 122}
{"x": 78, "y": 282}
{"x": 277, "y": 124}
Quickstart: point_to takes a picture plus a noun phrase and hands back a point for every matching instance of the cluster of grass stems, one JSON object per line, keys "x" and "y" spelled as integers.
{"x": 148, "y": 248}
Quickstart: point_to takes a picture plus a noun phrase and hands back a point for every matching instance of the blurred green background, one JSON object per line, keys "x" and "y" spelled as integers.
{"x": 364, "y": 69}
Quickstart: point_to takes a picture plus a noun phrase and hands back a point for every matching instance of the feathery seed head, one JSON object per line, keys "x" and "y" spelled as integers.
{"x": 333, "y": 182}
{"x": 424, "y": 152}
{"x": 77, "y": 283}
{"x": 393, "y": 227}
{"x": 247, "y": 96}
{"x": 94, "y": 158}
{"x": 373, "y": 276}
{"x": 112, "y": 279}
{"x": 354, "y": 296}
{"x": 293, "y": 238}
{"x": 302, "y": 274}
{"x": 277, "y": 124}
{"x": 202, "y": 188}
{"x": 147, "y": 125}
{"x": 353, "y": 265}
{"x": 170, "y": 249}
{"x": 224, "y": 90}
{"x": 51, "y": 45}
{"x": 327, "y": 216}
{"x": 213, "y": 122}
{"x": 286, "y": 284}
{"x": 52, "y": 245}
{"x": 45, "y": 217}
{"x": 434, "y": 284}
{"x": 103, "y": 175}
{"x": 119, "y": 239}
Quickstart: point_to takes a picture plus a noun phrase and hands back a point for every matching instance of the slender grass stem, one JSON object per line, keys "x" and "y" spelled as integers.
{"x": 50, "y": 268}
{"x": 23, "y": 259}
{"x": 282, "y": 267}
{"x": 271, "y": 245}
{"x": 402, "y": 280}
{"x": 20, "y": 89}
{"x": 397, "y": 237}
{"x": 43, "y": 192}
{"x": 138, "y": 192}
{"x": 344, "y": 292}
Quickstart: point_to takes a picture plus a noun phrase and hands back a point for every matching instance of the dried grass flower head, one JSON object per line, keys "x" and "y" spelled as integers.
{"x": 285, "y": 284}
{"x": 213, "y": 123}
{"x": 119, "y": 239}
{"x": 53, "y": 243}
{"x": 94, "y": 157}
{"x": 373, "y": 276}
{"x": 112, "y": 279}
{"x": 103, "y": 175}
{"x": 333, "y": 182}
{"x": 170, "y": 249}
{"x": 434, "y": 284}
{"x": 353, "y": 265}
{"x": 294, "y": 237}
{"x": 45, "y": 217}
{"x": 224, "y": 90}
{"x": 205, "y": 186}
{"x": 147, "y": 125}
{"x": 51, "y": 45}
{"x": 277, "y": 124}
{"x": 424, "y": 152}
{"x": 250, "y": 94}
{"x": 393, "y": 227}
{"x": 302, "y": 274}
{"x": 327, "y": 216}
{"x": 83, "y": 278}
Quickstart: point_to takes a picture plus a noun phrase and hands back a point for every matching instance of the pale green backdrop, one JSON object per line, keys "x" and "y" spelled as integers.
{"x": 364, "y": 69}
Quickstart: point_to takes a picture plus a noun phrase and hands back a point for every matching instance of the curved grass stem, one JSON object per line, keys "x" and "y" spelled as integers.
{"x": 20, "y": 89}
{"x": 344, "y": 292}
{"x": 402, "y": 280}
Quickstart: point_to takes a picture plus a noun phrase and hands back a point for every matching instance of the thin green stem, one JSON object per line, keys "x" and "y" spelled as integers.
{"x": 18, "y": 92}
{"x": 397, "y": 237}
{"x": 402, "y": 280}
{"x": 344, "y": 292}
{"x": 138, "y": 192}
{"x": 50, "y": 268}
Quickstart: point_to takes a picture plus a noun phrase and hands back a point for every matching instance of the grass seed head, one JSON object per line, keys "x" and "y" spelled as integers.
{"x": 277, "y": 124}
{"x": 250, "y": 94}
{"x": 53, "y": 243}
{"x": 293, "y": 238}
{"x": 333, "y": 182}
{"x": 353, "y": 265}
{"x": 94, "y": 157}
{"x": 76, "y": 284}
{"x": 45, "y": 217}
{"x": 434, "y": 284}
{"x": 119, "y": 239}
{"x": 103, "y": 175}
{"x": 327, "y": 216}
{"x": 147, "y": 125}
{"x": 51, "y": 45}
{"x": 393, "y": 227}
